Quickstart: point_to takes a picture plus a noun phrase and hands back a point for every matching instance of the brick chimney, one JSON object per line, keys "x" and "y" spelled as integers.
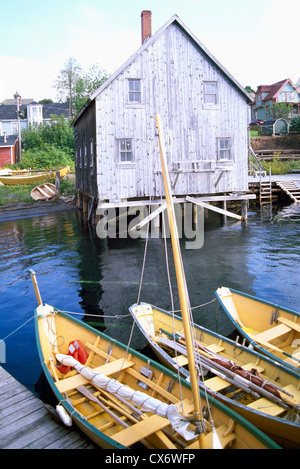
{"x": 146, "y": 24}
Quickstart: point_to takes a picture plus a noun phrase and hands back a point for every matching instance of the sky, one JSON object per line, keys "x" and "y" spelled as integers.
{"x": 256, "y": 41}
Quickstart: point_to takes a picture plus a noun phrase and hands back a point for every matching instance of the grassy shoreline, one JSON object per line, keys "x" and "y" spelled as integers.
{"x": 17, "y": 194}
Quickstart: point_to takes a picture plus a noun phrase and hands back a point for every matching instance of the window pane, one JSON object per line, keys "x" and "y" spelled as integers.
{"x": 210, "y": 99}
{"x": 210, "y": 93}
{"x": 134, "y": 94}
{"x": 224, "y": 149}
{"x": 125, "y": 150}
{"x": 210, "y": 88}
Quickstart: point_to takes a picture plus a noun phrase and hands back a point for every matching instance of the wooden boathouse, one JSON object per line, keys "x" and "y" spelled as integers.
{"x": 204, "y": 113}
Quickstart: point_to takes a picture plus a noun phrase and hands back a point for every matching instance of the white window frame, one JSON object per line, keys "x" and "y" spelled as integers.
{"x": 14, "y": 128}
{"x": 208, "y": 93}
{"x": 80, "y": 157}
{"x": 126, "y": 152}
{"x": 134, "y": 91}
{"x": 91, "y": 152}
{"x": 225, "y": 152}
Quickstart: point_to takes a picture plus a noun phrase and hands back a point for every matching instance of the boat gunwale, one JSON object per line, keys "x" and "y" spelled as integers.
{"x": 255, "y": 353}
{"x": 230, "y": 342}
{"x": 256, "y": 432}
{"x": 49, "y": 174}
{"x": 252, "y": 341}
{"x": 259, "y": 300}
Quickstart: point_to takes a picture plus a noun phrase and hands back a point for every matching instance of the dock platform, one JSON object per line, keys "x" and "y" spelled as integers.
{"x": 25, "y": 422}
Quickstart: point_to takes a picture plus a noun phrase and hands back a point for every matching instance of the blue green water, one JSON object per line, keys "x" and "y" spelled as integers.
{"x": 81, "y": 273}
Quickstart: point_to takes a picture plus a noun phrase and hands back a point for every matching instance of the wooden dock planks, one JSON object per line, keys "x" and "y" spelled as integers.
{"x": 25, "y": 422}
{"x": 291, "y": 188}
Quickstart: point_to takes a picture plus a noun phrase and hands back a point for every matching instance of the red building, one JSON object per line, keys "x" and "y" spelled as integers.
{"x": 8, "y": 149}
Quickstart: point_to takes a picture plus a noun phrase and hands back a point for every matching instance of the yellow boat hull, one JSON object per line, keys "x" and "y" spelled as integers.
{"x": 54, "y": 332}
{"x": 31, "y": 178}
{"x": 155, "y": 324}
{"x": 272, "y": 329}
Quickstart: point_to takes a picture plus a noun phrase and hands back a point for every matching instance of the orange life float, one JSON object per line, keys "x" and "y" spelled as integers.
{"x": 77, "y": 351}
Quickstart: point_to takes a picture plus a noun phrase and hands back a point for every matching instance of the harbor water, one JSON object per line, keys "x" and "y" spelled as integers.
{"x": 98, "y": 279}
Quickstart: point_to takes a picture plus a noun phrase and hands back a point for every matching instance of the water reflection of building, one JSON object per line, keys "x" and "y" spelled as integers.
{"x": 89, "y": 248}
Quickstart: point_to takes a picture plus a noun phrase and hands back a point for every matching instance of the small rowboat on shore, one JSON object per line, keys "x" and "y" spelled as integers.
{"x": 44, "y": 191}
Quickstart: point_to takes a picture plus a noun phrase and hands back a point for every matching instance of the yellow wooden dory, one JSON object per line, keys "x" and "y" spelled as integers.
{"x": 115, "y": 423}
{"x": 33, "y": 177}
{"x": 272, "y": 329}
{"x": 265, "y": 393}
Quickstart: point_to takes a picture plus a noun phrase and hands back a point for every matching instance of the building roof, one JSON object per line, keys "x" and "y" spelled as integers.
{"x": 10, "y": 140}
{"x": 55, "y": 108}
{"x": 274, "y": 89}
{"x": 175, "y": 20}
{"x": 9, "y": 111}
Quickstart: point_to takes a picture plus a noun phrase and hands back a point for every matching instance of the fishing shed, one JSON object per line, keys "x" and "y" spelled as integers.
{"x": 204, "y": 113}
{"x": 275, "y": 127}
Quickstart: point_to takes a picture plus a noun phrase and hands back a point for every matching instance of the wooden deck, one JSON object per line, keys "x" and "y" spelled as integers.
{"x": 25, "y": 422}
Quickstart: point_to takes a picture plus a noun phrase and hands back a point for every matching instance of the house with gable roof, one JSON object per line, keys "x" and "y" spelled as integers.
{"x": 283, "y": 91}
{"x": 204, "y": 113}
{"x": 30, "y": 111}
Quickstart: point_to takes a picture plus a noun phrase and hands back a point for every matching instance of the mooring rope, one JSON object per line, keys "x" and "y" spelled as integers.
{"x": 119, "y": 316}
{"x": 20, "y": 327}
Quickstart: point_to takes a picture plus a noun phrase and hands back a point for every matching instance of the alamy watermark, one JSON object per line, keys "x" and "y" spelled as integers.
{"x": 125, "y": 222}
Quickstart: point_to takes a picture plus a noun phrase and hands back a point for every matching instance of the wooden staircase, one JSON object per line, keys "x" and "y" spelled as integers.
{"x": 265, "y": 192}
{"x": 291, "y": 189}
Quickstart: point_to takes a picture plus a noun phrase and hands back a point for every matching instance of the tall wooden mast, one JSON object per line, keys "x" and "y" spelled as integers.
{"x": 181, "y": 283}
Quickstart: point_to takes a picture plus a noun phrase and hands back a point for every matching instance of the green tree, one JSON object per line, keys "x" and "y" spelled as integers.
{"x": 66, "y": 83}
{"x": 278, "y": 110}
{"x": 249, "y": 89}
{"x": 58, "y": 133}
{"x": 75, "y": 86}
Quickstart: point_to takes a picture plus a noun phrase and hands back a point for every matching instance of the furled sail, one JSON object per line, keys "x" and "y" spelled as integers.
{"x": 147, "y": 403}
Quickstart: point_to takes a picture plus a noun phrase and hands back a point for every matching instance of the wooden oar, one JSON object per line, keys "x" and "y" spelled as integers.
{"x": 233, "y": 378}
{"x": 211, "y": 355}
{"x": 83, "y": 390}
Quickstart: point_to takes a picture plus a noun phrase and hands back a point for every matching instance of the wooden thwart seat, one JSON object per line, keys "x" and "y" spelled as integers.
{"x": 216, "y": 383}
{"x": 249, "y": 366}
{"x": 141, "y": 430}
{"x": 289, "y": 323}
{"x": 266, "y": 406}
{"x": 272, "y": 333}
{"x": 181, "y": 360}
{"x": 107, "y": 369}
{"x": 215, "y": 348}
{"x": 147, "y": 427}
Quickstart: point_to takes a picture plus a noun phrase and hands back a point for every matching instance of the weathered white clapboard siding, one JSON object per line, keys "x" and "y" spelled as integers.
{"x": 172, "y": 65}
{"x": 172, "y": 69}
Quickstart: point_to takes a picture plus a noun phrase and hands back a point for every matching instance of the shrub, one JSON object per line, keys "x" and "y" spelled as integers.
{"x": 295, "y": 124}
{"x": 46, "y": 156}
